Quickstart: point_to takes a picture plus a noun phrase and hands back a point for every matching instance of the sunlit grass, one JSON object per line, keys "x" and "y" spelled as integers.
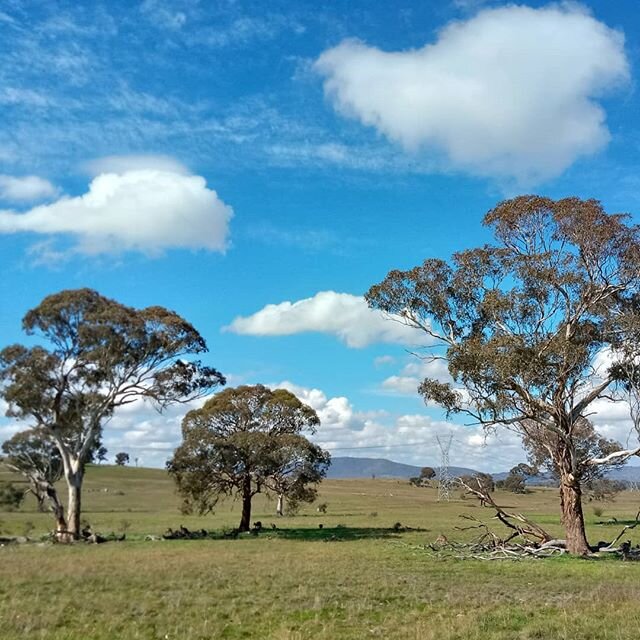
{"x": 355, "y": 578}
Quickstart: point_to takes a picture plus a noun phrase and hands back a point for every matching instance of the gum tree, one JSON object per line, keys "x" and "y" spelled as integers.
{"x": 296, "y": 467}
{"x": 535, "y": 329}
{"x": 34, "y": 455}
{"x": 92, "y": 356}
{"x": 245, "y": 441}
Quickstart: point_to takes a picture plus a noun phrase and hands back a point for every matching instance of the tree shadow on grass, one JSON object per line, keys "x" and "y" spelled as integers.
{"x": 330, "y": 534}
{"x": 309, "y": 534}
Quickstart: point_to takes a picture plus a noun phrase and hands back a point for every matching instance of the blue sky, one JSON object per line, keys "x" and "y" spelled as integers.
{"x": 219, "y": 157}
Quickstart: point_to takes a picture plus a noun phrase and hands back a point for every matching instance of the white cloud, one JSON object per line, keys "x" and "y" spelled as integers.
{"x": 413, "y": 373}
{"x": 163, "y": 15}
{"x": 123, "y": 164}
{"x": 404, "y": 385}
{"x": 509, "y": 93}
{"x": 25, "y": 188}
{"x": 341, "y": 314}
{"x": 382, "y": 361}
{"x": 145, "y": 210}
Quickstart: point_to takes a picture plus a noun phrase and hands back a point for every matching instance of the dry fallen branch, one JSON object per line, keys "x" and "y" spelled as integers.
{"x": 626, "y": 528}
{"x": 515, "y": 521}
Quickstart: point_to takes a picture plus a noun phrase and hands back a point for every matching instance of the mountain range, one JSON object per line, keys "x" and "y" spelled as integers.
{"x": 348, "y": 467}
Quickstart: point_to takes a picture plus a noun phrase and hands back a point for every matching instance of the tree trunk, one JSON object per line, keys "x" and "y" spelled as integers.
{"x": 58, "y": 514}
{"x": 46, "y": 493}
{"x": 74, "y": 483}
{"x": 572, "y": 517}
{"x": 280, "y": 506}
{"x": 245, "y": 520}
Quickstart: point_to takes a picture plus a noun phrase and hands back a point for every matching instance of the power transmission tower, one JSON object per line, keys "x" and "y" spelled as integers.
{"x": 444, "y": 477}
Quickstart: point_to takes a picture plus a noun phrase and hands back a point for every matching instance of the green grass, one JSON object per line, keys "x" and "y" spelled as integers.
{"x": 355, "y": 578}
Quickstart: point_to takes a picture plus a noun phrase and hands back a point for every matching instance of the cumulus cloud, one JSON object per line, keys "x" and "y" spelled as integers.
{"x": 510, "y": 93}
{"x": 25, "y": 188}
{"x": 146, "y": 210}
{"x": 346, "y": 316}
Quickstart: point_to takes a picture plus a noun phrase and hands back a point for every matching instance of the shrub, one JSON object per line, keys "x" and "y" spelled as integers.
{"x": 11, "y": 497}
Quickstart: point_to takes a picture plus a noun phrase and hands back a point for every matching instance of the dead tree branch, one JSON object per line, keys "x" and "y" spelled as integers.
{"x": 518, "y": 523}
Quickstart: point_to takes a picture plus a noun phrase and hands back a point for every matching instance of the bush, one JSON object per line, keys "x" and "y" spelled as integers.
{"x": 515, "y": 483}
{"x": 11, "y": 497}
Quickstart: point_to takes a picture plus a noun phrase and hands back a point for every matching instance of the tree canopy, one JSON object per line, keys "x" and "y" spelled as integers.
{"x": 244, "y": 441}
{"x": 34, "y": 455}
{"x": 534, "y": 329}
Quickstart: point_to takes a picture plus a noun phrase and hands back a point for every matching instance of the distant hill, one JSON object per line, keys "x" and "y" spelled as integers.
{"x": 346, "y": 467}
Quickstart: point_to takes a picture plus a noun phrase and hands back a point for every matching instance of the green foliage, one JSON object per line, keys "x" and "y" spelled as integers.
{"x": 122, "y": 458}
{"x": 11, "y": 497}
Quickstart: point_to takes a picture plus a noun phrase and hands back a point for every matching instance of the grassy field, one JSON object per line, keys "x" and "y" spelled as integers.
{"x": 354, "y": 578}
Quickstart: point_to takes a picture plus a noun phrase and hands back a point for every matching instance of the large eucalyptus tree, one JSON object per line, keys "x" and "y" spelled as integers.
{"x": 535, "y": 329}
{"x": 93, "y": 356}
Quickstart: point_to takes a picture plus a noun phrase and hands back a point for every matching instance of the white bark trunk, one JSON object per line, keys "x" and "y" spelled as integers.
{"x": 280, "y": 506}
{"x": 74, "y": 475}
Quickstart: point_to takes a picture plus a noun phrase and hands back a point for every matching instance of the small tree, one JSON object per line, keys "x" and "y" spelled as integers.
{"x": 34, "y": 455}
{"x": 604, "y": 489}
{"x": 427, "y": 473}
{"x": 244, "y": 441}
{"x": 122, "y": 459}
{"x": 516, "y": 481}
{"x": 522, "y": 323}
{"x": 101, "y": 454}
{"x": 480, "y": 481}
{"x": 102, "y": 355}
{"x": 297, "y": 466}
